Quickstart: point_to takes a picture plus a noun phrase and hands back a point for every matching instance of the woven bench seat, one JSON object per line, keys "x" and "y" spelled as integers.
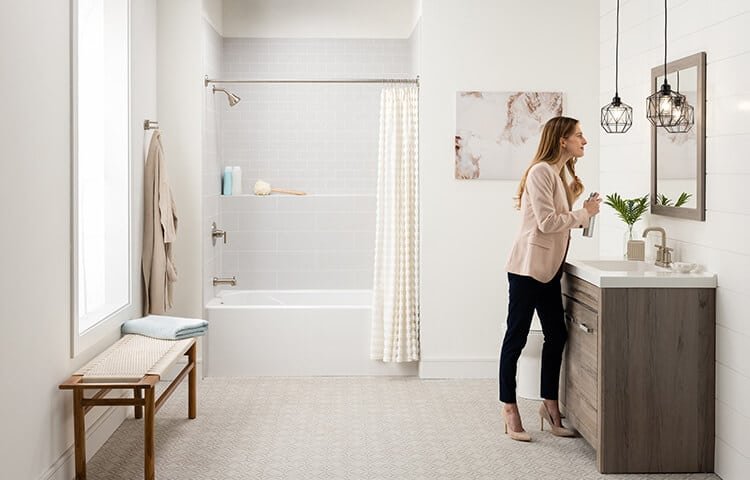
{"x": 135, "y": 363}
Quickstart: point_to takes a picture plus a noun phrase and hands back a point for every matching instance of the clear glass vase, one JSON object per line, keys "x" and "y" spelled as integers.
{"x": 628, "y": 235}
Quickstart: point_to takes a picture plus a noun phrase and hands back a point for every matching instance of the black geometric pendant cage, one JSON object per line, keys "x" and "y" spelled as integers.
{"x": 617, "y": 117}
{"x": 668, "y": 108}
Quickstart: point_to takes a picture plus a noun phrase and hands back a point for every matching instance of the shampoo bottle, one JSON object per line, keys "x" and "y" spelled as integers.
{"x": 226, "y": 188}
{"x": 236, "y": 181}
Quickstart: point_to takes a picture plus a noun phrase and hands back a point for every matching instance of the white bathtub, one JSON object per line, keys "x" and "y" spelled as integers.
{"x": 292, "y": 333}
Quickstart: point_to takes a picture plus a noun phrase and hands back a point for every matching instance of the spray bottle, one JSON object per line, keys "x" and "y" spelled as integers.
{"x": 588, "y": 230}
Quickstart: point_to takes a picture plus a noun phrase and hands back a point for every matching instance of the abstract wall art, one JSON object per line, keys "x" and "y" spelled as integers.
{"x": 497, "y": 133}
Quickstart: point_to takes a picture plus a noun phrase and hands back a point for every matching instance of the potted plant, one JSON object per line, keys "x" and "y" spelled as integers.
{"x": 630, "y": 210}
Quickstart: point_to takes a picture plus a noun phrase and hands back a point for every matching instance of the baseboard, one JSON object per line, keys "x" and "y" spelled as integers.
{"x": 96, "y": 434}
{"x": 458, "y": 368}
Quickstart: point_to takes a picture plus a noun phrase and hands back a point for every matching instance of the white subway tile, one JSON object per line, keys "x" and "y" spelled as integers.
{"x": 728, "y": 115}
{"x": 251, "y": 280}
{"x": 732, "y": 389}
{"x": 242, "y": 241}
{"x": 344, "y": 221}
{"x": 731, "y": 350}
{"x": 315, "y": 280}
{"x": 731, "y": 310}
{"x": 730, "y": 464}
{"x": 724, "y": 192}
{"x": 727, "y": 154}
{"x": 732, "y": 427}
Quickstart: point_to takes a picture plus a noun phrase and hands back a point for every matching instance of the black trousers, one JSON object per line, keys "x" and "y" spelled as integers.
{"x": 525, "y": 296}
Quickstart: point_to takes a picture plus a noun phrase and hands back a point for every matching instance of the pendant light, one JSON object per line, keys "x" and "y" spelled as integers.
{"x": 668, "y": 108}
{"x": 617, "y": 117}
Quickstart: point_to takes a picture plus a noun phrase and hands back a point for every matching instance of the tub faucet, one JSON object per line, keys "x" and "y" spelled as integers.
{"x": 663, "y": 253}
{"x": 232, "y": 281}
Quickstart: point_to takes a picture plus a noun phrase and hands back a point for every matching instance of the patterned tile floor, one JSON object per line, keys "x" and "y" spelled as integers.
{"x": 346, "y": 428}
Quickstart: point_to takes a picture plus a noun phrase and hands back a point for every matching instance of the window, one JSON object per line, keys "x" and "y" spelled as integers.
{"x": 101, "y": 166}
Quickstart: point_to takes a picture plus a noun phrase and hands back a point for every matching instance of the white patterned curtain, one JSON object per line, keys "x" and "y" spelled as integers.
{"x": 395, "y": 310}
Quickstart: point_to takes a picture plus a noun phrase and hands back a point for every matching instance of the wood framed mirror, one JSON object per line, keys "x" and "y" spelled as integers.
{"x": 678, "y": 160}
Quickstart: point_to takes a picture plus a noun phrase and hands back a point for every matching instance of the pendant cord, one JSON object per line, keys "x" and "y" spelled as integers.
{"x": 617, "y": 45}
{"x": 665, "y": 42}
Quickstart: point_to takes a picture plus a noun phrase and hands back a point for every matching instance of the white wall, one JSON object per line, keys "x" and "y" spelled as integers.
{"x": 36, "y": 417}
{"x": 213, "y": 13}
{"x": 720, "y": 243}
{"x": 468, "y": 226}
{"x": 320, "y": 18}
{"x": 180, "y": 101}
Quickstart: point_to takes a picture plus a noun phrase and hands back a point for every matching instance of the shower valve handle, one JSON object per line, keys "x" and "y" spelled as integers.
{"x": 216, "y": 233}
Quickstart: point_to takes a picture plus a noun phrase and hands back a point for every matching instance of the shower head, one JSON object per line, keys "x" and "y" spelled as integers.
{"x": 231, "y": 97}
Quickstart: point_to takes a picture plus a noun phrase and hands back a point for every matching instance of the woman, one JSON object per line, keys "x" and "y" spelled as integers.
{"x": 545, "y": 198}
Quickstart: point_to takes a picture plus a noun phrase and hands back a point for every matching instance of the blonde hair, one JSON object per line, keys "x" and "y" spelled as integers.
{"x": 549, "y": 151}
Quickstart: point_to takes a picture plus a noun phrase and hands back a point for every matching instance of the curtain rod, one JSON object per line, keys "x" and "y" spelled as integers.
{"x": 207, "y": 80}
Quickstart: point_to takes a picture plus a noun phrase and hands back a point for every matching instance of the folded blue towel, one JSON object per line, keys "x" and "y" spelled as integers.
{"x": 164, "y": 327}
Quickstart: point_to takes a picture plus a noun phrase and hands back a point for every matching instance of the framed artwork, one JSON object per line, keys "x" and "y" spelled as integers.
{"x": 497, "y": 133}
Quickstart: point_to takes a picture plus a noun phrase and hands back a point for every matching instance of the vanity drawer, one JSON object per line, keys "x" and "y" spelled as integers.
{"x": 582, "y": 416}
{"x": 582, "y": 291}
{"x": 582, "y": 368}
{"x": 583, "y": 346}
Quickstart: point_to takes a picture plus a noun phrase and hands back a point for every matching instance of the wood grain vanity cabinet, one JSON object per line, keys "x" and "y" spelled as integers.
{"x": 638, "y": 381}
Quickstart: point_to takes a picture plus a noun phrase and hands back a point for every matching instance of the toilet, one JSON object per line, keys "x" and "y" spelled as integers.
{"x": 530, "y": 363}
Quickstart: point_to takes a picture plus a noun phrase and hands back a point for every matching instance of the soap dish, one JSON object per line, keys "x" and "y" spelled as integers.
{"x": 683, "y": 267}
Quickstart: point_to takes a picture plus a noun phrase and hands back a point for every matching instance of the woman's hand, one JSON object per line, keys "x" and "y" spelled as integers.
{"x": 592, "y": 204}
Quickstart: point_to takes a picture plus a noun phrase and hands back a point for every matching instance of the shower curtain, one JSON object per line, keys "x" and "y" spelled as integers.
{"x": 395, "y": 311}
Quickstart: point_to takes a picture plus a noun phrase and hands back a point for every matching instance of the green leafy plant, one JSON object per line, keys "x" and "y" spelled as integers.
{"x": 662, "y": 199}
{"x": 630, "y": 210}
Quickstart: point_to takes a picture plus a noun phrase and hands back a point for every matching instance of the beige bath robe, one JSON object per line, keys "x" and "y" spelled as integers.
{"x": 159, "y": 232}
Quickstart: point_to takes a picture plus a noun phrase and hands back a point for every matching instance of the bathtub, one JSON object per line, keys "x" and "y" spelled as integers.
{"x": 292, "y": 333}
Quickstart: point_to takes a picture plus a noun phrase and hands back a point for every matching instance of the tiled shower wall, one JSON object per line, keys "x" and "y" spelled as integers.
{"x": 317, "y": 138}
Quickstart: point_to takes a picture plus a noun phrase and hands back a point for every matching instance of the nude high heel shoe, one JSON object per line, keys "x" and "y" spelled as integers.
{"x": 557, "y": 431}
{"x": 522, "y": 436}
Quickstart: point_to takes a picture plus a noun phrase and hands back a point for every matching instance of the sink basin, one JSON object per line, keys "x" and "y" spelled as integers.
{"x": 623, "y": 266}
{"x": 617, "y": 273}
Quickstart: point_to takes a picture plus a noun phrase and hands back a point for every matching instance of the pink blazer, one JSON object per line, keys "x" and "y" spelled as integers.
{"x": 542, "y": 243}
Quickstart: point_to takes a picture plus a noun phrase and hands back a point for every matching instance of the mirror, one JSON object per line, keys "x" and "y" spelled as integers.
{"x": 678, "y": 160}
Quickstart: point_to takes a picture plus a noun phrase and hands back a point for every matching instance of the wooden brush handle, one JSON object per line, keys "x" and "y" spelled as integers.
{"x": 290, "y": 192}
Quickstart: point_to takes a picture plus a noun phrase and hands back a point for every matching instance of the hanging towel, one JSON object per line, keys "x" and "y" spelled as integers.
{"x": 166, "y": 328}
{"x": 159, "y": 232}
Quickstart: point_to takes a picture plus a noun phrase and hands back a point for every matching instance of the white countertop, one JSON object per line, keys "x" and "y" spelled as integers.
{"x": 617, "y": 273}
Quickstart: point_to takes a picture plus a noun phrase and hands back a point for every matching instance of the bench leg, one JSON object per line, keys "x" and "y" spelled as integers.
{"x": 137, "y": 410}
{"x": 79, "y": 433}
{"x": 148, "y": 431}
{"x": 191, "y": 382}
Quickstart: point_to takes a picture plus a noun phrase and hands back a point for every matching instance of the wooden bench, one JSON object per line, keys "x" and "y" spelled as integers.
{"x": 136, "y": 363}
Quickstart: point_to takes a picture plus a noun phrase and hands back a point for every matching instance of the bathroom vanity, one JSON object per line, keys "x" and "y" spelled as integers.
{"x": 638, "y": 381}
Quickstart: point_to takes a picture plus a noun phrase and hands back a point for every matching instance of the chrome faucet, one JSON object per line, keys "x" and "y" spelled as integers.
{"x": 232, "y": 281}
{"x": 663, "y": 253}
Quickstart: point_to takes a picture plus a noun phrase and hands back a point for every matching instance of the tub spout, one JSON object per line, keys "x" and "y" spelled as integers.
{"x": 232, "y": 281}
